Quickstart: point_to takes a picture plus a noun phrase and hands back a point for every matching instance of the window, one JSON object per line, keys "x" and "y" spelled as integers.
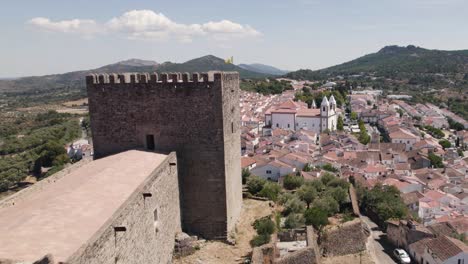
{"x": 150, "y": 142}
{"x": 277, "y": 125}
{"x": 407, "y": 142}
{"x": 268, "y": 172}
{"x": 232, "y": 127}
{"x": 324, "y": 108}
{"x": 288, "y": 125}
{"x": 155, "y": 223}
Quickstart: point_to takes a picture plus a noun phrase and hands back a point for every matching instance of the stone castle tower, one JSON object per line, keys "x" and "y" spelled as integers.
{"x": 197, "y": 116}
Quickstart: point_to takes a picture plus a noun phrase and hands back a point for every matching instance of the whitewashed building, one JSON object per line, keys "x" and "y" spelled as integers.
{"x": 296, "y": 115}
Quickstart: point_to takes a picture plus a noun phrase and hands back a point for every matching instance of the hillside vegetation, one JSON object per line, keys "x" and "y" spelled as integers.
{"x": 29, "y": 142}
{"x": 396, "y": 62}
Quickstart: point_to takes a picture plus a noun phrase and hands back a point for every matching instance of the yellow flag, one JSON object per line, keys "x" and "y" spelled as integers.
{"x": 229, "y": 60}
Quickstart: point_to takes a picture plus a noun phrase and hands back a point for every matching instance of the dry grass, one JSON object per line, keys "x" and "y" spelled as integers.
{"x": 218, "y": 252}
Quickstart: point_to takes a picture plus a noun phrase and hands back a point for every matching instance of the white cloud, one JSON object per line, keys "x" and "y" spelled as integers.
{"x": 80, "y": 26}
{"x": 149, "y": 25}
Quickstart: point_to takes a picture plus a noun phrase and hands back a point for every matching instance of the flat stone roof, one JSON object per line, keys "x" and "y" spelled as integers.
{"x": 64, "y": 215}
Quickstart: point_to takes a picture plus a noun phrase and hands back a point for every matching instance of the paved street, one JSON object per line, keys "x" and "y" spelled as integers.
{"x": 379, "y": 248}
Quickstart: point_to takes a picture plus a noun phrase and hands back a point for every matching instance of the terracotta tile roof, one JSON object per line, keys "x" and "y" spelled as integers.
{"x": 247, "y": 161}
{"x": 420, "y": 246}
{"x": 403, "y": 134}
{"x": 308, "y": 112}
{"x": 445, "y": 247}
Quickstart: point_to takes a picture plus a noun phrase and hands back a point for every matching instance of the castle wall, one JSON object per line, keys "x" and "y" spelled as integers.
{"x": 232, "y": 134}
{"x": 196, "y": 117}
{"x": 132, "y": 235}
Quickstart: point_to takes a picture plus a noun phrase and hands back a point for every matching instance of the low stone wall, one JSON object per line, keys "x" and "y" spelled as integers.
{"x": 303, "y": 256}
{"x": 310, "y": 255}
{"x": 349, "y": 238}
{"x": 264, "y": 254}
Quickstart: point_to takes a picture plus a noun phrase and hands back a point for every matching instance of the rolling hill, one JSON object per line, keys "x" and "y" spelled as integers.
{"x": 262, "y": 68}
{"x": 396, "y": 61}
{"x": 75, "y": 80}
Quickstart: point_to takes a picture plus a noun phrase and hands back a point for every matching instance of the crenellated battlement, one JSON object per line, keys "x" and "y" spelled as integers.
{"x": 177, "y": 77}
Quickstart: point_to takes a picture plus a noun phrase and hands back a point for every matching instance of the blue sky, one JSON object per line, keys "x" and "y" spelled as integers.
{"x": 43, "y": 37}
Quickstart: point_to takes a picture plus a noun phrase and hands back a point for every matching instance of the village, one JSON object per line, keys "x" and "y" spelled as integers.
{"x": 373, "y": 142}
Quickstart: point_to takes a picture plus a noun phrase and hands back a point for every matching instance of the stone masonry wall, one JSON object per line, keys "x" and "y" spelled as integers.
{"x": 134, "y": 234}
{"x": 196, "y": 117}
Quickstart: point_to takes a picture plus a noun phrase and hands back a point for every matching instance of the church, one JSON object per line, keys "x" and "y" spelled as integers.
{"x": 297, "y": 115}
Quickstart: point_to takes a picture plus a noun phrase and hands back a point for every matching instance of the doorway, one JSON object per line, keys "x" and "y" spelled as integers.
{"x": 150, "y": 142}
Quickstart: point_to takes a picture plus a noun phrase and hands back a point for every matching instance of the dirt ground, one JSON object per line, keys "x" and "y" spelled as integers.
{"x": 364, "y": 258}
{"x": 76, "y": 102}
{"x": 220, "y": 253}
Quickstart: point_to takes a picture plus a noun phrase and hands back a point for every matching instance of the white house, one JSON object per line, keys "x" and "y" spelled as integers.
{"x": 296, "y": 115}
{"x": 403, "y": 136}
{"x": 273, "y": 170}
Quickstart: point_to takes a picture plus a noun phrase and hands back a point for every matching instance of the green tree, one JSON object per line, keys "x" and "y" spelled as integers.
{"x": 385, "y": 201}
{"x": 327, "y": 177}
{"x": 340, "y": 123}
{"x": 245, "y": 175}
{"x": 307, "y": 168}
{"x": 307, "y": 193}
{"x": 329, "y": 167}
{"x": 328, "y": 204}
{"x": 294, "y": 221}
{"x": 292, "y": 182}
{"x": 445, "y": 143}
{"x": 316, "y": 217}
{"x": 255, "y": 184}
{"x": 354, "y": 116}
{"x": 436, "y": 161}
{"x": 294, "y": 205}
{"x": 270, "y": 190}
{"x": 339, "y": 194}
{"x": 364, "y": 138}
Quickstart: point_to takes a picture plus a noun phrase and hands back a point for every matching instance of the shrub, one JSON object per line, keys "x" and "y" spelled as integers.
{"x": 294, "y": 205}
{"x": 292, "y": 182}
{"x": 245, "y": 175}
{"x": 264, "y": 225}
{"x": 255, "y": 184}
{"x": 445, "y": 143}
{"x": 270, "y": 190}
{"x": 260, "y": 240}
{"x": 294, "y": 221}
{"x": 329, "y": 167}
{"x": 285, "y": 197}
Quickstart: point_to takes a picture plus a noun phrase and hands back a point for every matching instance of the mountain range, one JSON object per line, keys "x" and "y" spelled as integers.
{"x": 76, "y": 78}
{"x": 396, "y": 61}
{"x": 390, "y": 61}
